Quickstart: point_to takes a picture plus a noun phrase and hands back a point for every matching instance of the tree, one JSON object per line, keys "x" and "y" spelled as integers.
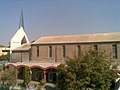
{"x": 8, "y": 76}
{"x": 12, "y": 76}
{"x": 27, "y": 76}
{"x": 4, "y": 76}
{"x": 5, "y": 57}
{"x": 90, "y": 70}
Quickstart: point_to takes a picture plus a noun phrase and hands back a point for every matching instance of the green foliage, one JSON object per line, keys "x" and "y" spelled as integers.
{"x": 4, "y": 76}
{"x": 12, "y": 77}
{"x": 5, "y": 57}
{"x": 89, "y": 70}
{"x": 9, "y": 76}
{"x": 27, "y": 76}
{"x": 42, "y": 82}
{"x": 39, "y": 87}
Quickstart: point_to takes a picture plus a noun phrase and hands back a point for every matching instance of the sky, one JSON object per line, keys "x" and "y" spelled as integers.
{"x": 58, "y": 17}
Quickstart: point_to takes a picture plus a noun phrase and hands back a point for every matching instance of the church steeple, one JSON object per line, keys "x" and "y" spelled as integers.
{"x": 21, "y": 23}
{"x": 20, "y": 36}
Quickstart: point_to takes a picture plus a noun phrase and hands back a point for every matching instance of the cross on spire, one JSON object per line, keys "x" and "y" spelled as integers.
{"x": 21, "y": 4}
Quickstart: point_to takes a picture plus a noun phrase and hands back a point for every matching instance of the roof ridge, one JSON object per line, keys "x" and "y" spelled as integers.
{"x": 81, "y": 34}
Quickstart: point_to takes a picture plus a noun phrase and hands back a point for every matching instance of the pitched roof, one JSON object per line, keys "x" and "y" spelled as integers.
{"x": 19, "y": 35}
{"x": 82, "y": 38}
{"x": 23, "y": 47}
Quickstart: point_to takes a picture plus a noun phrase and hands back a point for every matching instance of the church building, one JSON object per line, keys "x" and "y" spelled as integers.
{"x": 47, "y": 52}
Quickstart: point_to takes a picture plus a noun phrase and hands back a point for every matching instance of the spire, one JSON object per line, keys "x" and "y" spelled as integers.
{"x": 21, "y": 23}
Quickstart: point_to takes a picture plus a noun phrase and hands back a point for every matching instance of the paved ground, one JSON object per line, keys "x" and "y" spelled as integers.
{"x": 48, "y": 86}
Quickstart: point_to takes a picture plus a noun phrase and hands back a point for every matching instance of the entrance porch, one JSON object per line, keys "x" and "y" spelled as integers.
{"x": 39, "y": 71}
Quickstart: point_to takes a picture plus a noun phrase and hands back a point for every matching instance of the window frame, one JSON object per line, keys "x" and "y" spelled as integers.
{"x": 64, "y": 51}
{"x": 78, "y": 50}
{"x": 37, "y": 51}
{"x": 114, "y": 51}
{"x": 96, "y": 47}
{"x": 50, "y": 51}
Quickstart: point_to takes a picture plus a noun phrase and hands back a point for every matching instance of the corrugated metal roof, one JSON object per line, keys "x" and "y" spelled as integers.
{"x": 82, "y": 38}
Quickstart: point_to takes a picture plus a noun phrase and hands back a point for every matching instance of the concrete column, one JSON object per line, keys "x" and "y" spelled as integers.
{"x": 45, "y": 75}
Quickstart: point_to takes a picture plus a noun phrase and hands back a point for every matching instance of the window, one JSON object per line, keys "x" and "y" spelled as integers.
{"x": 24, "y": 40}
{"x": 64, "y": 52}
{"x": 50, "y": 51}
{"x": 114, "y": 50}
{"x": 78, "y": 49}
{"x": 96, "y": 47}
{"x": 37, "y": 51}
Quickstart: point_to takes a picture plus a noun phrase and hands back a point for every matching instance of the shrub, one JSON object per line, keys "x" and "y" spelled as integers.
{"x": 42, "y": 82}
